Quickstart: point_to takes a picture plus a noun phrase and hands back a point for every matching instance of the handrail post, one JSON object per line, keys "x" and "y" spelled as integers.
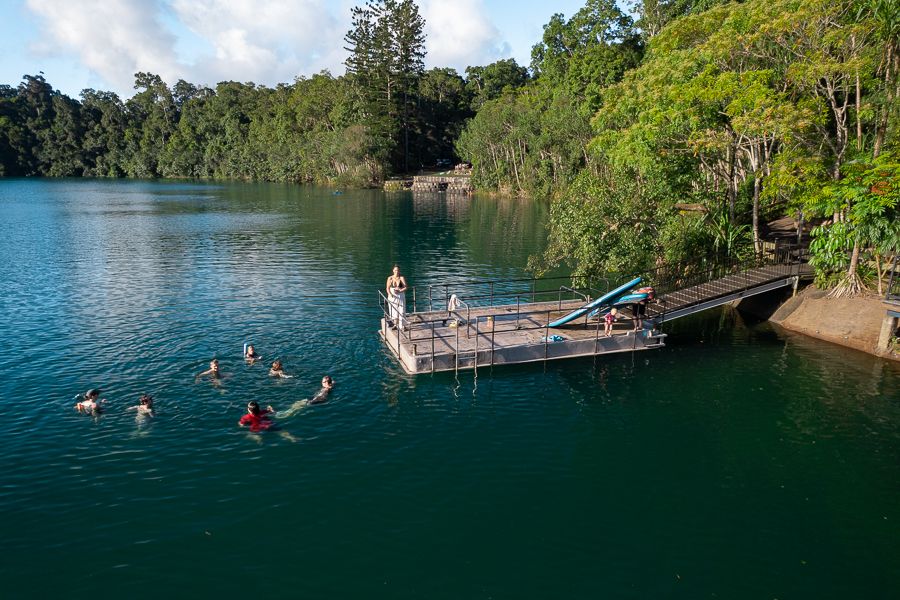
{"x": 493, "y": 328}
{"x": 475, "y": 366}
{"x": 432, "y": 346}
{"x": 492, "y": 297}
{"x": 414, "y": 299}
{"x": 547, "y": 336}
{"x": 430, "y": 301}
{"x": 456, "y": 351}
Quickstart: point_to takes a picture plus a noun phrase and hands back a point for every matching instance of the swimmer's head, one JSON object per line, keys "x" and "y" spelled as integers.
{"x": 92, "y": 394}
{"x": 613, "y": 311}
{"x": 396, "y": 270}
{"x": 327, "y": 382}
{"x": 250, "y": 350}
{"x": 147, "y": 400}
{"x": 276, "y": 366}
{"x": 253, "y": 407}
{"x": 214, "y": 364}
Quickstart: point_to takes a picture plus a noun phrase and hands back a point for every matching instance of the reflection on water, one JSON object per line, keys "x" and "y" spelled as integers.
{"x": 739, "y": 461}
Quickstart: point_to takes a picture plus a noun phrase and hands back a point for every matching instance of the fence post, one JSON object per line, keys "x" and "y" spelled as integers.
{"x": 493, "y": 328}
{"x": 475, "y": 366}
{"x": 456, "y": 350}
{"x": 547, "y": 336}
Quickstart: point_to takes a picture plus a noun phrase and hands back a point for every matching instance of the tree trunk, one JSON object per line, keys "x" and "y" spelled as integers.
{"x": 756, "y": 241}
{"x": 881, "y": 128}
{"x": 859, "y": 142}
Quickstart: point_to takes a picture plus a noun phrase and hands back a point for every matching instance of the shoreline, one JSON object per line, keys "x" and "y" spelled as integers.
{"x": 860, "y": 323}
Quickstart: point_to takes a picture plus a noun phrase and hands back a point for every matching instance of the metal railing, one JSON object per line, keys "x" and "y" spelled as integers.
{"x": 893, "y": 287}
{"x": 686, "y": 284}
{"x": 488, "y": 293}
{"x": 675, "y": 286}
{"x": 494, "y": 292}
{"x": 484, "y": 328}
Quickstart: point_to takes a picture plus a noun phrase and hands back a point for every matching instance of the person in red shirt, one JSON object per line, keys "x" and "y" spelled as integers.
{"x": 257, "y": 419}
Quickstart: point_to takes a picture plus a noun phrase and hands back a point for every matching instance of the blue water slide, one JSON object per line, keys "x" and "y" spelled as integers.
{"x": 623, "y": 301}
{"x": 605, "y": 300}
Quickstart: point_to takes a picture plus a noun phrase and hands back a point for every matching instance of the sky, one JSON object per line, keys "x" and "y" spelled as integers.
{"x": 101, "y": 44}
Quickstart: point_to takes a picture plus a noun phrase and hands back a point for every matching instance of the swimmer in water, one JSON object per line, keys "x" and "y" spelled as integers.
{"x": 251, "y": 356}
{"x": 212, "y": 372}
{"x": 277, "y": 370}
{"x": 145, "y": 408}
{"x": 256, "y": 418}
{"x": 322, "y": 395}
{"x": 91, "y": 403}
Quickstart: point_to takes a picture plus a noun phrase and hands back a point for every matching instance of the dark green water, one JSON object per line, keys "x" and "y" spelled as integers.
{"x": 738, "y": 462}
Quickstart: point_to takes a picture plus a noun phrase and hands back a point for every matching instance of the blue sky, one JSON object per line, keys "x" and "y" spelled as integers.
{"x": 101, "y": 43}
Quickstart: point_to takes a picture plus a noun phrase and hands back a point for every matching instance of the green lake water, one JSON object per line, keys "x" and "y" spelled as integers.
{"x": 740, "y": 461}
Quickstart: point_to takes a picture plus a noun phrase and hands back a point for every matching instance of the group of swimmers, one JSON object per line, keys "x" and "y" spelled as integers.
{"x": 256, "y": 418}
{"x": 90, "y": 403}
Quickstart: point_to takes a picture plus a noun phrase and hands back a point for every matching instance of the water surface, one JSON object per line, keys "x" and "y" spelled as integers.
{"x": 738, "y": 462}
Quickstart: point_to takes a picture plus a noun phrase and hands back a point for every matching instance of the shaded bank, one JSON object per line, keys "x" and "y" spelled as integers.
{"x": 861, "y": 323}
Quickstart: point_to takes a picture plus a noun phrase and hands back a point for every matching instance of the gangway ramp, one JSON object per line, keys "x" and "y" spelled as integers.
{"x": 727, "y": 288}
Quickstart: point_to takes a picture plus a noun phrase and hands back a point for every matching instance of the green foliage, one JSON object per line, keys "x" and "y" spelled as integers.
{"x": 387, "y": 51}
{"x": 867, "y": 202}
{"x": 605, "y": 224}
{"x": 489, "y": 82}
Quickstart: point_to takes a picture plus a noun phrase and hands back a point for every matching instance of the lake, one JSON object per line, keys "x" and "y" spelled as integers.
{"x": 740, "y": 461}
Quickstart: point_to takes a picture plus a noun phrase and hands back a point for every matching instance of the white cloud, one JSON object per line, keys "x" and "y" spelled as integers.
{"x": 113, "y": 38}
{"x": 459, "y": 34}
{"x": 266, "y": 41}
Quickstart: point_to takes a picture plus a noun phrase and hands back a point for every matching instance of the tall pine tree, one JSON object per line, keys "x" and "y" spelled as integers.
{"x": 387, "y": 58}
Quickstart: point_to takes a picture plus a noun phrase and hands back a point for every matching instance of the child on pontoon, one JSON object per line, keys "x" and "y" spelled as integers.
{"x": 608, "y": 321}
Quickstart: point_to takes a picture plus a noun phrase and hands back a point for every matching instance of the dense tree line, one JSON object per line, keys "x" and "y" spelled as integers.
{"x": 671, "y": 135}
{"x": 678, "y": 141}
{"x": 386, "y": 115}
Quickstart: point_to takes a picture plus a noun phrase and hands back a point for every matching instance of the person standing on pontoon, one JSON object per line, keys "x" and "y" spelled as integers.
{"x": 396, "y": 295}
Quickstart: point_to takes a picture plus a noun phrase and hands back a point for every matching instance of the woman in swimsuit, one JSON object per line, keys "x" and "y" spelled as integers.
{"x": 396, "y": 294}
